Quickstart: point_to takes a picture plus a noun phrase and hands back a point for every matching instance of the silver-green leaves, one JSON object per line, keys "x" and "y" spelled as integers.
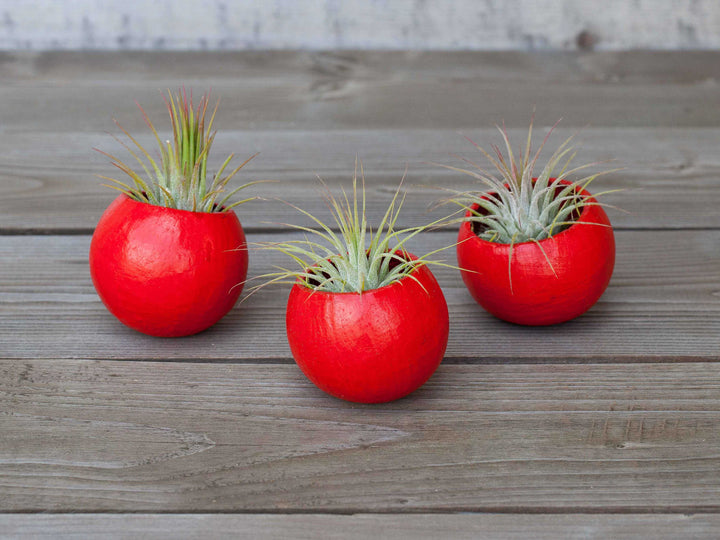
{"x": 179, "y": 179}
{"x": 354, "y": 257}
{"x": 516, "y": 208}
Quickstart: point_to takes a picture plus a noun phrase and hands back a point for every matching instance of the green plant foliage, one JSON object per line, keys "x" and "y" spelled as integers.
{"x": 516, "y": 208}
{"x": 356, "y": 258}
{"x": 179, "y": 178}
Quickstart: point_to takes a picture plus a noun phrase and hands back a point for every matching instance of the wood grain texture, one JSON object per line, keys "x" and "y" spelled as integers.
{"x": 360, "y": 527}
{"x": 49, "y": 309}
{"x": 362, "y": 24}
{"x": 313, "y": 112}
{"x": 669, "y": 176}
{"x": 352, "y": 89}
{"x": 89, "y": 436}
{"x": 614, "y": 414}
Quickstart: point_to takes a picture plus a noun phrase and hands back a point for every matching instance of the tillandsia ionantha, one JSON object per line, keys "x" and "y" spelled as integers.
{"x": 520, "y": 205}
{"x": 357, "y": 258}
{"x": 179, "y": 179}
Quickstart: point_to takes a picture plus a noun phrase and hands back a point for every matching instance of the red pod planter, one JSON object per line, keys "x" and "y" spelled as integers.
{"x": 583, "y": 257}
{"x": 369, "y": 347}
{"x": 167, "y": 272}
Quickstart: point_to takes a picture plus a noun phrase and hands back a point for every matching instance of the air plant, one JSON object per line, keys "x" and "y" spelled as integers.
{"x": 355, "y": 259}
{"x": 521, "y": 205}
{"x": 179, "y": 178}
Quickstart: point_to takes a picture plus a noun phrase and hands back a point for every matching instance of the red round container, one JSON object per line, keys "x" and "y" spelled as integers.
{"x": 369, "y": 347}
{"x": 167, "y": 272}
{"x": 582, "y": 256}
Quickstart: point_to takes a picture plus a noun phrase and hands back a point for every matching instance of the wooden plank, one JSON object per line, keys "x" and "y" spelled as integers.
{"x": 312, "y": 112}
{"x": 48, "y": 308}
{"x": 306, "y": 24}
{"x": 352, "y": 89}
{"x": 362, "y": 526}
{"x": 88, "y": 436}
{"x": 49, "y": 182}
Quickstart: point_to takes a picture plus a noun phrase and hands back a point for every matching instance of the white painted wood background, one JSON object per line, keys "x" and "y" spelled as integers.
{"x": 359, "y": 24}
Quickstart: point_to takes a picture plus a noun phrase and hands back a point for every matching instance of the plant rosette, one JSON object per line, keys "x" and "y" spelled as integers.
{"x": 370, "y": 347}
{"x": 540, "y": 284}
{"x": 534, "y": 250}
{"x": 168, "y": 257}
{"x": 366, "y": 321}
{"x": 167, "y": 272}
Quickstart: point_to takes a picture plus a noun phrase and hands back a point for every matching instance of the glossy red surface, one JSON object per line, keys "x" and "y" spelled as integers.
{"x": 372, "y": 347}
{"x": 167, "y": 272}
{"x": 583, "y": 257}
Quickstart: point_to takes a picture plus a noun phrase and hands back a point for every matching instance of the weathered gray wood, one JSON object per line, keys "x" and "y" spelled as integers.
{"x": 234, "y": 426}
{"x": 662, "y": 303}
{"x": 163, "y": 436}
{"x": 49, "y": 182}
{"x": 353, "y": 90}
{"x": 405, "y": 24}
{"x": 362, "y": 526}
{"x": 312, "y": 112}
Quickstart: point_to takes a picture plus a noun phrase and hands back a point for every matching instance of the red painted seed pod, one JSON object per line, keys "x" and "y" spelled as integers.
{"x": 369, "y": 347}
{"x": 582, "y": 257}
{"x": 167, "y": 272}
